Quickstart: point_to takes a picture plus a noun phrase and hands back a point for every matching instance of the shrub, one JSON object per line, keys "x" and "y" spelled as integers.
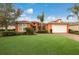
{"x": 42, "y": 31}
{"x": 29, "y": 31}
{"x": 73, "y": 32}
{"x": 0, "y": 34}
{"x": 8, "y": 33}
{"x": 11, "y": 29}
{"x": 20, "y": 33}
{"x": 1, "y": 30}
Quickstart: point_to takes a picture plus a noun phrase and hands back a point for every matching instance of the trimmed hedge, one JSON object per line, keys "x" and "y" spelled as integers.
{"x": 73, "y": 32}
{"x": 7, "y": 30}
{"x": 42, "y": 31}
{"x": 11, "y": 29}
{"x": 29, "y": 31}
{"x": 20, "y": 33}
{"x": 1, "y": 30}
{"x": 8, "y": 33}
{"x": 13, "y": 33}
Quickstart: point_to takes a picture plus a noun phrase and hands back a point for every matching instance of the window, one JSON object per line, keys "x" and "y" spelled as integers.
{"x": 22, "y": 27}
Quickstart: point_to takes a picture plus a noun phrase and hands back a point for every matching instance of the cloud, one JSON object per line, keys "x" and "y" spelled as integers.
{"x": 71, "y": 19}
{"x": 26, "y": 15}
{"x": 51, "y": 18}
{"x": 23, "y": 15}
{"x": 27, "y": 19}
{"x": 22, "y": 19}
{"x": 29, "y": 11}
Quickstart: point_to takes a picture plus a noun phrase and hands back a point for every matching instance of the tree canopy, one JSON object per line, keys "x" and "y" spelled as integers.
{"x": 8, "y": 13}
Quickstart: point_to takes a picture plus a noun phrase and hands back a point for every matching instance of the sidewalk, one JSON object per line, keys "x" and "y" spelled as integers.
{"x": 71, "y": 36}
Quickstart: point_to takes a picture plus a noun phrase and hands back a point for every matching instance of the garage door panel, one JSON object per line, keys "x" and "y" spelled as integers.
{"x": 59, "y": 28}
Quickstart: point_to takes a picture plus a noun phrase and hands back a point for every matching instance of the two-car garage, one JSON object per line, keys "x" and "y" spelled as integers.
{"x": 57, "y": 28}
{"x": 60, "y": 28}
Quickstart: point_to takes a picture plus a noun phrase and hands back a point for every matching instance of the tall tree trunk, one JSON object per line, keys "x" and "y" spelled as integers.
{"x": 5, "y": 19}
{"x": 41, "y": 26}
{"x": 6, "y": 26}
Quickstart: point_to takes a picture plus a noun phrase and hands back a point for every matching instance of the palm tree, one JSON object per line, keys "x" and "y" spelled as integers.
{"x": 69, "y": 17}
{"x": 41, "y": 18}
{"x": 75, "y": 11}
{"x": 8, "y": 13}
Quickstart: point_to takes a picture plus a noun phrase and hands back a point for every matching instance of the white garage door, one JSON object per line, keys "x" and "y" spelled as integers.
{"x": 59, "y": 28}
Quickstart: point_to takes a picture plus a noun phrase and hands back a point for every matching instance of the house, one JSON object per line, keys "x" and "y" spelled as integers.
{"x": 52, "y": 27}
{"x": 57, "y": 27}
{"x": 73, "y": 26}
{"x": 10, "y": 26}
{"x": 21, "y": 25}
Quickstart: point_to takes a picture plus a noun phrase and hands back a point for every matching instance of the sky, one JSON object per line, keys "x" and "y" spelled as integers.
{"x": 52, "y": 11}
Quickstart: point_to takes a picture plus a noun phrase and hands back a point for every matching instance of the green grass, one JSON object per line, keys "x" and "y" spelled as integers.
{"x": 41, "y": 44}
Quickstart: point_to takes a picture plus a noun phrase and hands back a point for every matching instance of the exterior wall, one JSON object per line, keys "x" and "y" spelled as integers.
{"x": 67, "y": 28}
{"x": 48, "y": 27}
{"x": 18, "y": 29}
{"x": 28, "y": 25}
{"x": 74, "y": 27}
{"x": 36, "y": 24}
{"x": 37, "y": 27}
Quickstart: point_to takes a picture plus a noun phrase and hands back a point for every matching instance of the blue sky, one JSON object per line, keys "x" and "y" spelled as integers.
{"x": 52, "y": 11}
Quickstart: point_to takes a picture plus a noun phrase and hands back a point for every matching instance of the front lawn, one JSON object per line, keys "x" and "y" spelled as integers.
{"x": 41, "y": 44}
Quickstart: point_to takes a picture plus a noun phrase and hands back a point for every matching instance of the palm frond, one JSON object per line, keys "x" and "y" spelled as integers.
{"x": 69, "y": 16}
{"x": 74, "y": 9}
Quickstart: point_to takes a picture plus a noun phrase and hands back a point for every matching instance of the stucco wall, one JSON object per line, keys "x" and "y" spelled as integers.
{"x": 74, "y": 27}
{"x": 48, "y": 27}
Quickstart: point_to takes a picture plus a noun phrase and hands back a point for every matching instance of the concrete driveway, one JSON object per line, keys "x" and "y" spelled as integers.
{"x": 71, "y": 36}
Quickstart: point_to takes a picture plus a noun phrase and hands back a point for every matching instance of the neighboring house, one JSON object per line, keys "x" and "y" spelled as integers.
{"x": 21, "y": 25}
{"x": 73, "y": 26}
{"x": 57, "y": 27}
{"x": 11, "y": 26}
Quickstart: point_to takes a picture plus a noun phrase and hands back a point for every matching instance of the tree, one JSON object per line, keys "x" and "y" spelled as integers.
{"x": 75, "y": 11}
{"x": 69, "y": 17}
{"x": 41, "y": 18}
{"x": 8, "y": 14}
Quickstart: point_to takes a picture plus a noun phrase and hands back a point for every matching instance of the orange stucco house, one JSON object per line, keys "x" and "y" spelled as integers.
{"x": 52, "y": 27}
